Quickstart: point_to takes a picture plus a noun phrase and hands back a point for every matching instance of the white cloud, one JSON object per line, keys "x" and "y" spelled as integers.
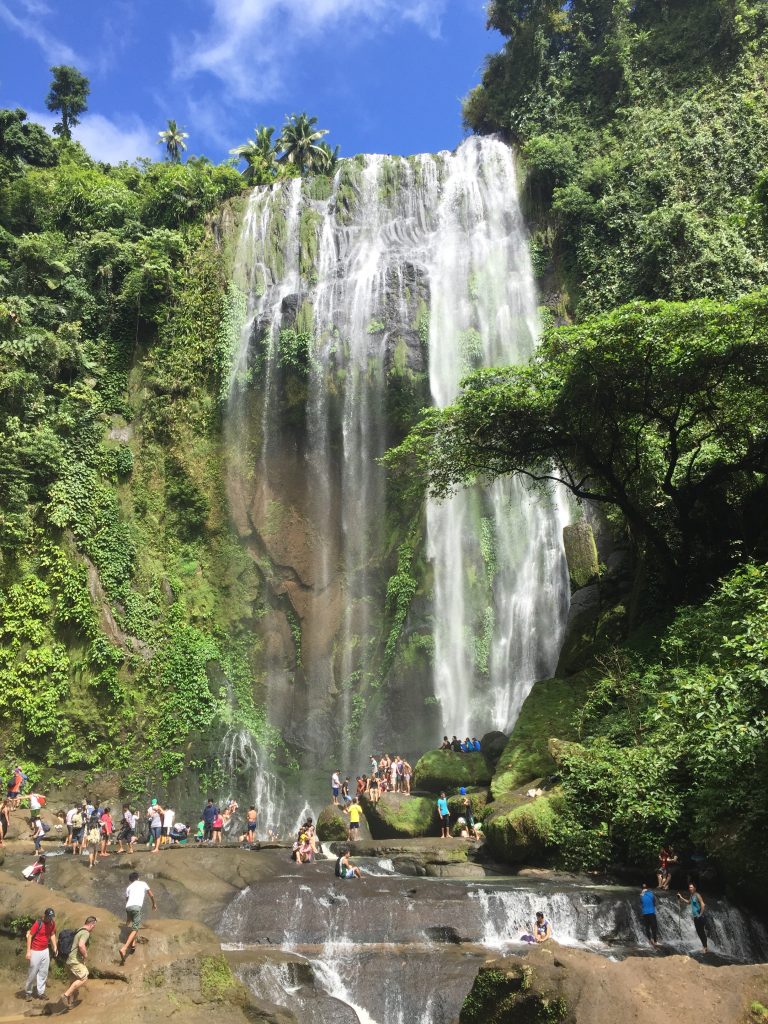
{"x": 250, "y": 44}
{"x": 109, "y": 139}
{"x": 27, "y": 23}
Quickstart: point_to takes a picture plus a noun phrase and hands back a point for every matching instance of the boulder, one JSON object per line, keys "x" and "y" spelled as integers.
{"x": 478, "y": 798}
{"x": 580, "y": 554}
{"x": 548, "y": 711}
{"x": 397, "y": 816}
{"x": 493, "y": 744}
{"x": 523, "y": 834}
{"x": 332, "y": 824}
{"x": 445, "y": 770}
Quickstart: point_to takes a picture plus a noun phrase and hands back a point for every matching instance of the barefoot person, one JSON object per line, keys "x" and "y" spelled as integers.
{"x": 249, "y": 836}
{"x": 698, "y": 908}
{"x": 134, "y": 911}
{"x": 648, "y": 910}
{"x": 76, "y": 960}
{"x": 355, "y": 812}
{"x": 40, "y": 936}
{"x": 445, "y": 817}
{"x": 542, "y": 929}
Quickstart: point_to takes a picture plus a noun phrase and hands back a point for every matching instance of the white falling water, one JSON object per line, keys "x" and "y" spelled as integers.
{"x": 483, "y": 313}
{"x": 245, "y": 765}
{"x": 402, "y": 260}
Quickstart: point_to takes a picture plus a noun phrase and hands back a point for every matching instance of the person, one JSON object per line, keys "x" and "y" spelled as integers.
{"x": 373, "y": 790}
{"x": 374, "y": 767}
{"x": 648, "y": 909}
{"x": 169, "y": 816}
{"x": 68, "y": 821}
{"x": 76, "y": 960}
{"x": 40, "y": 937}
{"x": 249, "y": 835}
{"x": 36, "y": 804}
{"x": 407, "y": 776}
{"x": 93, "y": 840}
{"x": 15, "y": 786}
{"x": 355, "y": 812}
{"x": 36, "y": 872}
{"x": 400, "y": 775}
{"x": 345, "y": 797}
{"x": 456, "y": 745}
{"x": 467, "y": 745}
{"x": 218, "y": 826}
{"x": 229, "y": 813}
{"x": 344, "y": 868}
{"x": 466, "y": 803}
{"x": 359, "y": 785}
{"x": 78, "y": 830}
{"x": 446, "y": 744}
{"x": 698, "y": 909}
{"x": 155, "y": 816}
{"x": 107, "y": 828}
{"x": 179, "y": 833}
{"x": 336, "y": 786}
{"x": 38, "y": 833}
{"x": 5, "y": 819}
{"x": 664, "y": 875}
{"x": 210, "y": 813}
{"x": 542, "y": 929}
{"x": 200, "y": 833}
{"x": 134, "y": 911}
{"x": 475, "y": 743}
{"x": 445, "y": 818}
{"x": 127, "y": 831}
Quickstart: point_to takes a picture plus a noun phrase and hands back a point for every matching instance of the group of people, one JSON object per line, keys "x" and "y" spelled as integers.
{"x": 696, "y": 906}
{"x": 391, "y": 773}
{"x": 70, "y": 946}
{"x": 468, "y": 828}
{"x": 466, "y": 746}
{"x": 306, "y": 846}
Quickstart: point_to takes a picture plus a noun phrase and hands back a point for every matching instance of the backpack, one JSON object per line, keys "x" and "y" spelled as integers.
{"x": 337, "y": 870}
{"x": 41, "y": 800}
{"x": 46, "y": 826}
{"x": 66, "y": 941}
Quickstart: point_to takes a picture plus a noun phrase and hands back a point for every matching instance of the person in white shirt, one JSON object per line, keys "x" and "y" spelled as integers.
{"x": 169, "y": 816}
{"x": 336, "y": 785}
{"x": 68, "y": 821}
{"x": 134, "y": 908}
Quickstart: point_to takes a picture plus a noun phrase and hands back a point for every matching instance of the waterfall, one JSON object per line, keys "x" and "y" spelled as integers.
{"x": 367, "y": 298}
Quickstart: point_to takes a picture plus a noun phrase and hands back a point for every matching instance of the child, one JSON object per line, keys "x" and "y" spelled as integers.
{"x": 200, "y": 833}
{"x": 35, "y": 872}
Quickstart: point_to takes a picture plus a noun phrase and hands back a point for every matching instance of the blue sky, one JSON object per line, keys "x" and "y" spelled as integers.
{"x": 382, "y": 75}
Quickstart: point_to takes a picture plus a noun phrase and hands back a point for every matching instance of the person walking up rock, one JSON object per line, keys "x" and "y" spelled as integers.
{"x": 76, "y": 960}
{"x": 40, "y": 936}
{"x": 134, "y": 911}
{"x": 648, "y": 909}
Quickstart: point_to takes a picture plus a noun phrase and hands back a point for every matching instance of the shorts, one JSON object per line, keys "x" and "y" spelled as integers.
{"x": 78, "y": 970}
{"x": 155, "y": 831}
{"x": 77, "y": 834}
{"x": 165, "y": 830}
{"x": 347, "y": 873}
{"x": 251, "y": 830}
{"x": 216, "y": 830}
{"x": 335, "y": 790}
{"x": 135, "y": 916}
{"x": 354, "y": 824}
{"x": 445, "y": 819}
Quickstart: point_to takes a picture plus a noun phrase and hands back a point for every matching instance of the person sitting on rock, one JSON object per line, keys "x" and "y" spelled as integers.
{"x": 345, "y": 868}
{"x": 542, "y": 929}
{"x": 373, "y": 790}
{"x": 446, "y": 744}
{"x": 456, "y": 745}
{"x": 475, "y": 743}
{"x": 467, "y": 746}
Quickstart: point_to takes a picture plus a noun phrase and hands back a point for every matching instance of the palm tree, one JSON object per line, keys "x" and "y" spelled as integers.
{"x": 299, "y": 143}
{"x": 326, "y": 160}
{"x": 173, "y": 138}
{"x": 259, "y": 155}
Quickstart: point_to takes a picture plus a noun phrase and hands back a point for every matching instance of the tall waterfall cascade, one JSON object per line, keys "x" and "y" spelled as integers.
{"x": 367, "y": 298}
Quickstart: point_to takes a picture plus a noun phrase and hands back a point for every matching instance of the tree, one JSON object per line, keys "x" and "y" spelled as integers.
{"x": 173, "y": 138}
{"x": 68, "y": 95}
{"x": 326, "y": 160}
{"x": 259, "y": 155}
{"x": 299, "y": 143}
{"x": 657, "y": 410}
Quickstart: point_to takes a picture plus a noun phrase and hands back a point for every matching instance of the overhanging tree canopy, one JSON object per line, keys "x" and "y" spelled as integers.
{"x": 657, "y": 409}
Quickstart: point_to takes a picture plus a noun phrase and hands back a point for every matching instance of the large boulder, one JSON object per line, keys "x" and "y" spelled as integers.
{"x": 524, "y": 832}
{"x": 478, "y": 798}
{"x": 548, "y": 711}
{"x": 493, "y": 744}
{"x": 397, "y": 816}
{"x": 445, "y": 770}
{"x": 580, "y": 554}
{"x": 332, "y": 824}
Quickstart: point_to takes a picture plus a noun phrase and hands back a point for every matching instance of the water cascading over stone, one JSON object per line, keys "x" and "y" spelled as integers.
{"x": 367, "y": 298}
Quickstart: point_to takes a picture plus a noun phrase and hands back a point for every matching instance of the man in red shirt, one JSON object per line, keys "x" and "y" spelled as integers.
{"x": 40, "y": 936}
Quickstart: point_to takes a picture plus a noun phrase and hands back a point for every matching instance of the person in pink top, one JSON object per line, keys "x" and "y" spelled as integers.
{"x": 107, "y": 828}
{"x": 218, "y": 826}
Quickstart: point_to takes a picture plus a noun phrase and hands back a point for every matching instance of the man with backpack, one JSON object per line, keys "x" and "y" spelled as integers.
{"x": 40, "y": 936}
{"x": 134, "y": 911}
{"x": 76, "y": 957}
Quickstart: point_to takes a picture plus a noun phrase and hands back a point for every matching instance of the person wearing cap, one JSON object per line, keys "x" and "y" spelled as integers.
{"x": 76, "y": 960}
{"x": 40, "y": 937}
{"x": 466, "y": 803}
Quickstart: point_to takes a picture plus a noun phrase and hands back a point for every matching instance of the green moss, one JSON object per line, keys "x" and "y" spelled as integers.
{"x": 401, "y": 817}
{"x": 580, "y": 554}
{"x": 216, "y": 979}
{"x": 275, "y": 242}
{"x": 309, "y": 242}
{"x": 526, "y": 833}
{"x": 332, "y": 825}
{"x": 548, "y": 711}
{"x": 445, "y": 770}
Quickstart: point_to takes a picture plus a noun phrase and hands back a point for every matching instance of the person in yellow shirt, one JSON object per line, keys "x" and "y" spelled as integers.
{"x": 355, "y": 812}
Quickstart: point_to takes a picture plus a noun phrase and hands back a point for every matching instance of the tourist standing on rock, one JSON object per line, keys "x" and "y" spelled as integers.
{"x": 355, "y": 812}
{"x": 336, "y": 786}
{"x": 5, "y": 819}
{"x": 445, "y": 818}
{"x": 38, "y": 833}
{"x": 466, "y": 803}
{"x": 648, "y": 910}
{"x": 76, "y": 960}
{"x": 134, "y": 911}
{"x": 698, "y": 909}
{"x": 107, "y": 828}
{"x": 210, "y": 813}
{"x": 40, "y": 936}
{"x": 218, "y": 828}
{"x": 15, "y": 786}
{"x": 407, "y": 776}
{"x": 155, "y": 817}
{"x": 93, "y": 840}
{"x": 127, "y": 830}
{"x": 78, "y": 829}
{"x": 169, "y": 816}
{"x": 249, "y": 835}
{"x": 374, "y": 767}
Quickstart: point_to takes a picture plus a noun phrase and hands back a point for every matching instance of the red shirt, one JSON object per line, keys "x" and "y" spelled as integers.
{"x": 42, "y": 933}
{"x": 106, "y": 824}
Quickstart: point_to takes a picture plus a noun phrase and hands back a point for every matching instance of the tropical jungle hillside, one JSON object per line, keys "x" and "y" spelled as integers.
{"x": 128, "y": 605}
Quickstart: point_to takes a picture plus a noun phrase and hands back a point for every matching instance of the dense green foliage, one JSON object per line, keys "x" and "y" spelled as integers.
{"x": 643, "y": 134}
{"x": 296, "y": 151}
{"x": 657, "y": 411}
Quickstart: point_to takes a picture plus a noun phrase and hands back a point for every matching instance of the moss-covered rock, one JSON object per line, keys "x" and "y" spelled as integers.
{"x": 523, "y": 834}
{"x": 332, "y": 825}
{"x": 478, "y": 797}
{"x": 548, "y": 711}
{"x": 493, "y": 744}
{"x": 396, "y": 816}
{"x": 580, "y": 554}
{"x": 505, "y": 992}
{"x": 445, "y": 770}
